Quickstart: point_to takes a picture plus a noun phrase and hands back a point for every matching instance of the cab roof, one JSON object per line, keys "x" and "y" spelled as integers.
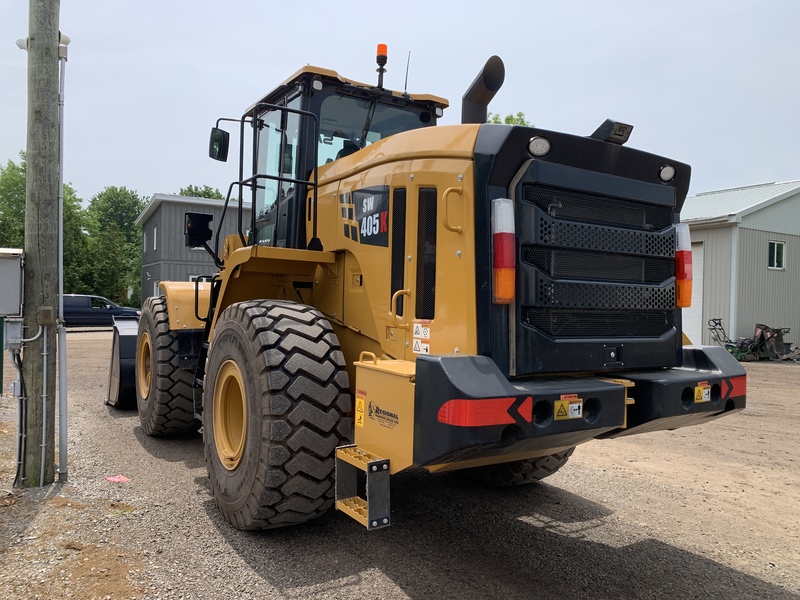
{"x": 334, "y": 77}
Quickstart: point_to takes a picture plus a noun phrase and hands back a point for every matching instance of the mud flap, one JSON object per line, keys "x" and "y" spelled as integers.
{"x": 122, "y": 373}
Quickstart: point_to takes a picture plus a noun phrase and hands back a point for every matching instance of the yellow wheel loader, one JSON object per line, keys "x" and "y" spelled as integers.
{"x": 472, "y": 297}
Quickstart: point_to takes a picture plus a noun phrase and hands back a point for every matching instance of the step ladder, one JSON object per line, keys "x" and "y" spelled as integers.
{"x": 372, "y": 511}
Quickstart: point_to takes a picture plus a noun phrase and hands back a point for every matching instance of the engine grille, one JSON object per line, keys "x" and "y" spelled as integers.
{"x": 604, "y": 238}
{"x": 595, "y": 208}
{"x": 600, "y": 324}
{"x": 604, "y": 297}
{"x": 581, "y": 264}
{"x": 603, "y": 267}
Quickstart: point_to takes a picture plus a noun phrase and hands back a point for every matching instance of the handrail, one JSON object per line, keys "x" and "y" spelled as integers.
{"x": 451, "y": 190}
{"x": 392, "y": 307}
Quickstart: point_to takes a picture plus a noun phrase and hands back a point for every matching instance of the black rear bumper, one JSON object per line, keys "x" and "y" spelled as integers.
{"x": 670, "y": 398}
{"x": 466, "y": 410}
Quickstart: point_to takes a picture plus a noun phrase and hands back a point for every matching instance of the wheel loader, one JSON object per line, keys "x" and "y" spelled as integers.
{"x": 476, "y": 297}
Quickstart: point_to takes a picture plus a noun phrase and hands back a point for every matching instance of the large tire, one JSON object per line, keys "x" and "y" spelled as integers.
{"x": 275, "y": 407}
{"x": 164, "y": 394}
{"x": 519, "y": 472}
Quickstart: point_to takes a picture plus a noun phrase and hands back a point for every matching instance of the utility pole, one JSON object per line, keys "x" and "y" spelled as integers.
{"x": 41, "y": 241}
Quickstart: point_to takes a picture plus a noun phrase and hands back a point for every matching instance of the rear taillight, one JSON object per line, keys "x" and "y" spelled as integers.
{"x": 683, "y": 266}
{"x": 504, "y": 263}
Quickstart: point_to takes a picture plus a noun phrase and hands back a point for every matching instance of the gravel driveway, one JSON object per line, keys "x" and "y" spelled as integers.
{"x": 706, "y": 512}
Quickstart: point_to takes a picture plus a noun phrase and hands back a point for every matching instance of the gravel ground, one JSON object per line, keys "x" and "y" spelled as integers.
{"x": 705, "y": 512}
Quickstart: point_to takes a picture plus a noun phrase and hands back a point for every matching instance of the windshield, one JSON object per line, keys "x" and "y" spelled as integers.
{"x": 348, "y": 123}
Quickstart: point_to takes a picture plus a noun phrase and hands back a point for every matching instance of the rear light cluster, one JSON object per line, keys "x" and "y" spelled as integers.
{"x": 683, "y": 265}
{"x": 504, "y": 259}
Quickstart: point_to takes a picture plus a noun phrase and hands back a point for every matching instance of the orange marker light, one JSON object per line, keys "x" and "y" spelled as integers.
{"x": 382, "y": 51}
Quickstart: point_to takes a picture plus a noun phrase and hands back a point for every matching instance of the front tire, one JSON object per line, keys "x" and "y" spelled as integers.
{"x": 519, "y": 472}
{"x": 276, "y": 402}
{"x": 164, "y": 391}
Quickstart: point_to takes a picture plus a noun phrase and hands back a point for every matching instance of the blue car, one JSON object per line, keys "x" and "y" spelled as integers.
{"x": 93, "y": 311}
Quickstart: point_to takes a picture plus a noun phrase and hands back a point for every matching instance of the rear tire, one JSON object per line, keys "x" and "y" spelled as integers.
{"x": 275, "y": 403}
{"x": 519, "y": 472}
{"x": 164, "y": 391}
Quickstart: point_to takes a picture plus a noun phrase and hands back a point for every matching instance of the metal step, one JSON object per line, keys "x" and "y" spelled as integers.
{"x": 372, "y": 511}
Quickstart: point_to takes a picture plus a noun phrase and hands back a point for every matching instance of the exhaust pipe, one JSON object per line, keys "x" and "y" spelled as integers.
{"x": 474, "y": 104}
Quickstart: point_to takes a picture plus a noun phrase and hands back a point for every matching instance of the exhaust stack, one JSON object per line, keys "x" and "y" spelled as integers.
{"x": 474, "y": 104}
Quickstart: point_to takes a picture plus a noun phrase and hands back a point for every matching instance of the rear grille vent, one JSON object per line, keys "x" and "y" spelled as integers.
{"x": 578, "y": 264}
{"x": 580, "y": 324}
{"x": 590, "y": 208}
{"x": 605, "y": 297}
{"x": 605, "y": 239}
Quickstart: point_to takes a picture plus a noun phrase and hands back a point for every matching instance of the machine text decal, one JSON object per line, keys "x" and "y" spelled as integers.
{"x": 384, "y": 417}
{"x": 372, "y": 215}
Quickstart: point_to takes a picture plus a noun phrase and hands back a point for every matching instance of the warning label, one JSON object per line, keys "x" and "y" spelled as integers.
{"x": 569, "y": 407}
{"x": 422, "y": 331}
{"x": 420, "y": 347}
{"x": 361, "y": 397}
{"x": 702, "y": 393}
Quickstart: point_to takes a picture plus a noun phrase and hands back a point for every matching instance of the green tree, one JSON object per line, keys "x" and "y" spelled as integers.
{"x": 12, "y": 224}
{"x": 12, "y": 204}
{"x": 111, "y": 264}
{"x": 201, "y": 192}
{"x": 509, "y": 119}
{"x": 115, "y": 242}
{"x": 76, "y": 245}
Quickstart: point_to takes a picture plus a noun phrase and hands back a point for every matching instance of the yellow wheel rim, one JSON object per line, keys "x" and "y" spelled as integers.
{"x": 230, "y": 415}
{"x": 144, "y": 355}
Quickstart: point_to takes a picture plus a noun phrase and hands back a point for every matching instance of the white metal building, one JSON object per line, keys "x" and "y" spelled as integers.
{"x": 746, "y": 259}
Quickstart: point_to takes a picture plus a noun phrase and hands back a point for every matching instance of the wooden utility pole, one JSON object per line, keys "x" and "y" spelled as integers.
{"x": 41, "y": 241}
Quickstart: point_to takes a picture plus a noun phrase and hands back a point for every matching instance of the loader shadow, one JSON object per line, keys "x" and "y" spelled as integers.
{"x": 186, "y": 448}
{"x": 453, "y": 539}
{"x": 122, "y": 413}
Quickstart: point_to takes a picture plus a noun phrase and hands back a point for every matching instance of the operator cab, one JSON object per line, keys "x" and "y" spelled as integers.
{"x": 314, "y": 118}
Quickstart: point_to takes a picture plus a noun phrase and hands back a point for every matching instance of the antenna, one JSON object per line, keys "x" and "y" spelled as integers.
{"x": 408, "y": 62}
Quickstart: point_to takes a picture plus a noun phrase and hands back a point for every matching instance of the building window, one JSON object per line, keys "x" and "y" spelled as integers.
{"x": 194, "y": 278}
{"x": 144, "y": 250}
{"x": 777, "y": 255}
{"x": 155, "y": 237}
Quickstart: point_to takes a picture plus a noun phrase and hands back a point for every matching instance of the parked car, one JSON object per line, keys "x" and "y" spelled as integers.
{"x": 93, "y": 311}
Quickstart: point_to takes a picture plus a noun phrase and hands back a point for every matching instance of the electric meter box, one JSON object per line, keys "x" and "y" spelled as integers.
{"x": 10, "y": 282}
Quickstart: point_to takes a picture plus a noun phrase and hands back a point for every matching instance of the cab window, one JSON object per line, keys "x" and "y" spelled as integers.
{"x": 277, "y": 133}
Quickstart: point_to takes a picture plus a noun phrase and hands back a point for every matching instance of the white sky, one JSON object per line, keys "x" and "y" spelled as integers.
{"x": 715, "y": 84}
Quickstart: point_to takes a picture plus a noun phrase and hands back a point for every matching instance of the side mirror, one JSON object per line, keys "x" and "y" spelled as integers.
{"x": 218, "y": 144}
{"x": 196, "y": 229}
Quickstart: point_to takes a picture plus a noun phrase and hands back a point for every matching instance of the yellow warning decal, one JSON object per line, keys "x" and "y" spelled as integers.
{"x": 702, "y": 393}
{"x": 360, "y": 398}
{"x": 569, "y": 407}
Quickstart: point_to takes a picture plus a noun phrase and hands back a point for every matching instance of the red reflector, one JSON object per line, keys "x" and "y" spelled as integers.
{"x": 737, "y": 387}
{"x": 503, "y": 251}
{"x": 483, "y": 412}
{"x": 683, "y": 265}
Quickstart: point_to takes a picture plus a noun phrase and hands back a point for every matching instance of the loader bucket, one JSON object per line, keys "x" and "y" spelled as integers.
{"x": 121, "y": 379}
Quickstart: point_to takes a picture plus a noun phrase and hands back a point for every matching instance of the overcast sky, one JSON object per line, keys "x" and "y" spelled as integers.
{"x": 714, "y": 84}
